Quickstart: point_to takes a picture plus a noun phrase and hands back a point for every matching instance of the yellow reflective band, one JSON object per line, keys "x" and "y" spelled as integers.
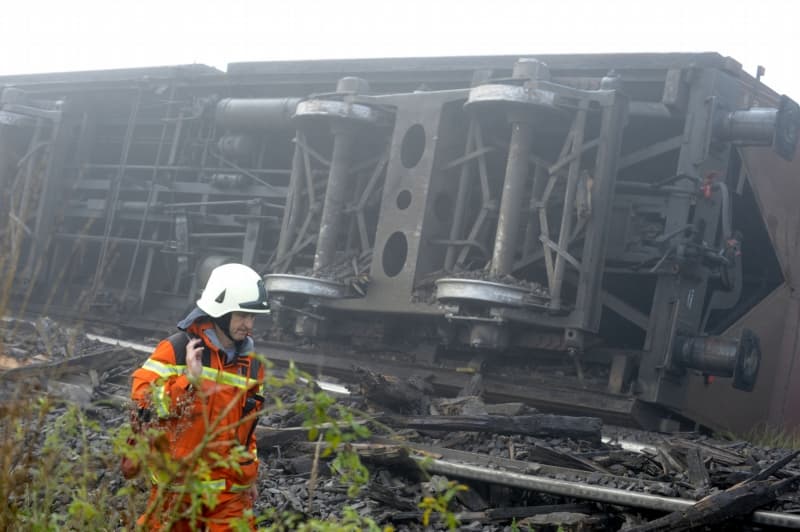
{"x": 210, "y": 374}
{"x": 163, "y": 370}
{"x": 208, "y": 485}
{"x": 240, "y": 487}
{"x": 231, "y": 379}
{"x": 216, "y": 485}
{"x": 162, "y": 402}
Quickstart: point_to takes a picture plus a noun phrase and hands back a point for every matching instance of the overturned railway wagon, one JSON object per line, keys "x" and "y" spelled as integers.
{"x": 616, "y": 234}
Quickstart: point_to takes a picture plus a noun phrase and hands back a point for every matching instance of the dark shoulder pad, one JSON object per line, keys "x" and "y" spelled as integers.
{"x": 255, "y": 364}
{"x": 178, "y": 341}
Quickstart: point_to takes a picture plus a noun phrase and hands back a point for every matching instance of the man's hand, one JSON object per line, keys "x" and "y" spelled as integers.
{"x": 194, "y": 357}
{"x": 254, "y": 491}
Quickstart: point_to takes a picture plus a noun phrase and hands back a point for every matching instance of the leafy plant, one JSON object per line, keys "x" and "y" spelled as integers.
{"x": 59, "y": 469}
{"x": 438, "y": 503}
{"x": 53, "y": 465}
{"x": 350, "y": 521}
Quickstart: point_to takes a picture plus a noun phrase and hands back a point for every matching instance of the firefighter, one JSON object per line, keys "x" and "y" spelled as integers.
{"x": 201, "y": 387}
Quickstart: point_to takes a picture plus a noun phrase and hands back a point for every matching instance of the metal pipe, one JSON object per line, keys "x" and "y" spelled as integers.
{"x": 148, "y": 268}
{"x": 34, "y": 112}
{"x": 651, "y": 110}
{"x": 753, "y": 126}
{"x": 714, "y": 355}
{"x": 173, "y": 168}
{"x": 651, "y": 189}
{"x": 256, "y": 113}
{"x": 508, "y": 222}
{"x": 237, "y": 146}
{"x": 152, "y": 194}
{"x": 532, "y": 227}
{"x": 223, "y": 202}
{"x": 461, "y": 202}
{"x": 136, "y": 206}
{"x": 462, "y": 243}
{"x": 586, "y": 491}
{"x": 24, "y": 173}
{"x": 215, "y": 235}
{"x": 292, "y": 210}
{"x": 739, "y": 358}
{"x": 115, "y": 240}
{"x": 569, "y": 206}
{"x": 32, "y": 151}
{"x": 116, "y": 185}
{"x": 335, "y": 200}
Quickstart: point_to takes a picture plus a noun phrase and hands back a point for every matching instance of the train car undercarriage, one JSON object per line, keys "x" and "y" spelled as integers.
{"x": 595, "y": 233}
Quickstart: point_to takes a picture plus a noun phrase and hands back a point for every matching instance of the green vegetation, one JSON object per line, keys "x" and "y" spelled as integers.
{"x": 439, "y": 503}
{"x": 60, "y": 470}
{"x": 52, "y": 476}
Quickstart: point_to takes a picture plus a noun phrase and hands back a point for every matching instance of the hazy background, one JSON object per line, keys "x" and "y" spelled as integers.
{"x": 62, "y": 35}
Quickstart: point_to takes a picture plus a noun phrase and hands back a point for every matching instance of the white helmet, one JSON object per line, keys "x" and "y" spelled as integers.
{"x": 233, "y": 288}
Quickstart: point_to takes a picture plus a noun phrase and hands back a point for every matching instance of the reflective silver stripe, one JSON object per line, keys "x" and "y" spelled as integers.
{"x": 240, "y": 487}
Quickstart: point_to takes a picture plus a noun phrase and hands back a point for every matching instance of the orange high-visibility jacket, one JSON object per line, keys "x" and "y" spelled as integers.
{"x": 216, "y": 402}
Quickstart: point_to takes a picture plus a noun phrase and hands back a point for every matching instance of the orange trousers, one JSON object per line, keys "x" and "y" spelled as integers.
{"x": 230, "y": 506}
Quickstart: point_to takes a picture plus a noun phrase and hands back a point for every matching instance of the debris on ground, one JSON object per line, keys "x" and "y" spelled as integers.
{"x": 496, "y": 450}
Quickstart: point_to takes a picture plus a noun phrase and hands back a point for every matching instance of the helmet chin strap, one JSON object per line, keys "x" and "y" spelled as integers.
{"x": 223, "y": 323}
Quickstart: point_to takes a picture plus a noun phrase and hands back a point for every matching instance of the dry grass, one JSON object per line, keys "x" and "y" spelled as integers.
{"x": 766, "y": 435}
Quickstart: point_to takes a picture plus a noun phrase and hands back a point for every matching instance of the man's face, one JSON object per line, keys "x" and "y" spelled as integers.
{"x": 241, "y": 325}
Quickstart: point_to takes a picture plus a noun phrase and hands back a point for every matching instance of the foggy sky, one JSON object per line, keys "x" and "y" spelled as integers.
{"x": 59, "y": 35}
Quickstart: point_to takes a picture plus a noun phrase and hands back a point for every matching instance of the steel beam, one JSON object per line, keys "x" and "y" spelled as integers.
{"x": 580, "y": 490}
